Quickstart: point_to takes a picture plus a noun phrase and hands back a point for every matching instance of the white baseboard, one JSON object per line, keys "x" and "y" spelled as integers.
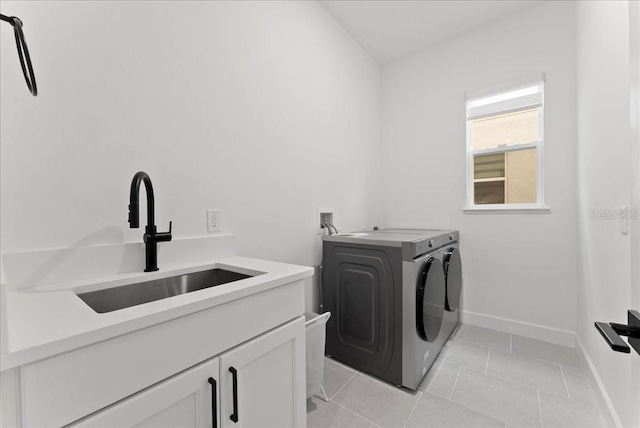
{"x": 533, "y": 331}
{"x": 613, "y": 421}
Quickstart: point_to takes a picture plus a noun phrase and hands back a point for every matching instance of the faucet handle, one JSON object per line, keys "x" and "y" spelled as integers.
{"x": 160, "y": 236}
{"x": 166, "y": 236}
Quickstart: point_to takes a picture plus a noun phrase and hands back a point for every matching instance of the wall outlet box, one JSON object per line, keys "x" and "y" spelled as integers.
{"x": 324, "y": 214}
{"x": 213, "y": 221}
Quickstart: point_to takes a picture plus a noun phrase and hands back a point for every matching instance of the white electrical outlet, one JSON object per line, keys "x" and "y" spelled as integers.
{"x": 213, "y": 221}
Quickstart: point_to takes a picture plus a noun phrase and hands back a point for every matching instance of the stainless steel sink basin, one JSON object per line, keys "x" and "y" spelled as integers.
{"x": 112, "y": 299}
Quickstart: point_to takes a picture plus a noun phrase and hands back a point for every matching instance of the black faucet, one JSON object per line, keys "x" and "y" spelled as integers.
{"x": 151, "y": 237}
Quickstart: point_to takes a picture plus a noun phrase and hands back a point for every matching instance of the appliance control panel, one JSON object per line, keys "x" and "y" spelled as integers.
{"x": 417, "y": 248}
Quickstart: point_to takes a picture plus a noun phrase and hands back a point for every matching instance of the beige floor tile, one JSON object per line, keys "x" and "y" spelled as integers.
{"x": 331, "y": 415}
{"x": 545, "y": 351}
{"x": 515, "y": 404}
{"x": 537, "y": 374}
{"x": 578, "y": 385}
{"x": 564, "y": 413}
{"x": 435, "y": 412}
{"x": 465, "y": 354}
{"x": 441, "y": 378}
{"x": 336, "y": 375}
{"x": 377, "y": 401}
{"x": 507, "y": 394}
{"x": 484, "y": 336}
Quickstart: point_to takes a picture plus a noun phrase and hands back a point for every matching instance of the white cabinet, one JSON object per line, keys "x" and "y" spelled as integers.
{"x": 260, "y": 383}
{"x": 263, "y": 381}
{"x": 158, "y": 376}
{"x": 189, "y": 399}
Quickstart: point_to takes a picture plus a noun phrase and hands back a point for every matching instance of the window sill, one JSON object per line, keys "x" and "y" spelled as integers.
{"x": 506, "y": 210}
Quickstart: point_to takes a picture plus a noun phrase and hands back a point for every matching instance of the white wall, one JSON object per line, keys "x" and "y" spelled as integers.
{"x": 519, "y": 269}
{"x": 265, "y": 110}
{"x": 604, "y": 291}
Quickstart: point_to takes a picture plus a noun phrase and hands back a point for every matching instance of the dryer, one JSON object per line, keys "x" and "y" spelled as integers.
{"x": 395, "y": 296}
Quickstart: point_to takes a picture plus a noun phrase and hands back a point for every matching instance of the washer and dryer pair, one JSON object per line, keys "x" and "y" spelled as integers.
{"x": 394, "y": 296}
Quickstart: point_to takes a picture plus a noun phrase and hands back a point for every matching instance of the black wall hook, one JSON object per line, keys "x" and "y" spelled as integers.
{"x": 23, "y": 53}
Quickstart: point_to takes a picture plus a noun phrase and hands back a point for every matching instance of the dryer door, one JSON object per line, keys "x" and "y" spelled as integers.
{"x": 430, "y": 300}
{"x": 453, "y": 278}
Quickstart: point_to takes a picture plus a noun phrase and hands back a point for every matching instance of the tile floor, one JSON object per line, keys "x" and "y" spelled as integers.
{"x": 482, "y": 378}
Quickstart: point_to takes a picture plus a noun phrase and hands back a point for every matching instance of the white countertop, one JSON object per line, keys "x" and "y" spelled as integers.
{"x": 48, "y": 320}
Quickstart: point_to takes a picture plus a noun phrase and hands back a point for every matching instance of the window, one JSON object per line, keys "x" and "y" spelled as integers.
{"x": 504, "y": 146}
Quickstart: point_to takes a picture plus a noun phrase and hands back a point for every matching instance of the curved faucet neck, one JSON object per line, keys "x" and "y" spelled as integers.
{"x": 134, "y": 200}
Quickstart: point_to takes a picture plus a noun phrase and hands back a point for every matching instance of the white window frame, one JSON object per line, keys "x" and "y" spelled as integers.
{"x": 486, "y": 108}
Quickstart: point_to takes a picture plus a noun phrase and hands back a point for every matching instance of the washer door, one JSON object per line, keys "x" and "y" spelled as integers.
{"x": 453, "y": 276}
{"x": 430, "y": 300}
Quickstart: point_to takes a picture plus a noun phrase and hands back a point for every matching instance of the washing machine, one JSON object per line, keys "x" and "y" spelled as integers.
{"x": 395, "y": 295}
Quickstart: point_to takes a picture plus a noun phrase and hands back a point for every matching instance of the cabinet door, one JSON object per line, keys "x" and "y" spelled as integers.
{"x": 188, "y": 399}
{"x": 263, "y": 381}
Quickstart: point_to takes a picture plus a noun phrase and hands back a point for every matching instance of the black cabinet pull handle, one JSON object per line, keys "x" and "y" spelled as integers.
{"x": 234, "y": 374}
{"x": 214, "y": 399}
